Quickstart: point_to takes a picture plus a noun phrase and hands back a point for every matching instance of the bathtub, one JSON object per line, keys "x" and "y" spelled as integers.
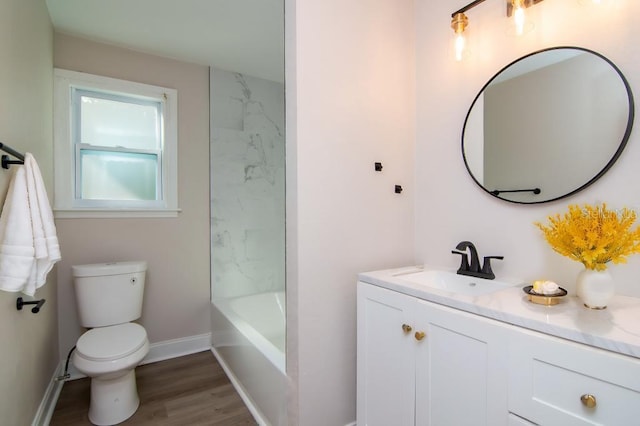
{"x": 248, "y": 339}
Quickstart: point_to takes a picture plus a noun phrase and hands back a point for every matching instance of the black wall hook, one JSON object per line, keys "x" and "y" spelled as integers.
{"x": 20, "y": 303}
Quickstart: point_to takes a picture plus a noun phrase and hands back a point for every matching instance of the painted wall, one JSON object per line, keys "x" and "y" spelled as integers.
{"x": 177, "y": 291}
{"x": 350, "y": 102}
{"x": 29, "y": 348}
{"x": 450, "y": 207}
{"x": 247, "y": 185}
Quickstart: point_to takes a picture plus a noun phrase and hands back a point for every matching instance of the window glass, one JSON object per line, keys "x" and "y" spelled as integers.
{"x": 118, "y": 121}
{"x": 113, "y": 175}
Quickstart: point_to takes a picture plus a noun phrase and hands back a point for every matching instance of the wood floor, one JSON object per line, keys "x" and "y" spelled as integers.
{"x": 186, "y": 391}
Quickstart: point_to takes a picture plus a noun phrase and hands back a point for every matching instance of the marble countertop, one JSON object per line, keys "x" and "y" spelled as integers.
{"x": 616, "y": 328}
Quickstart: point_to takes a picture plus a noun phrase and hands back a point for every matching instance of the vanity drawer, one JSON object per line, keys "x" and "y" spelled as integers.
{"x": 557, "y": 382}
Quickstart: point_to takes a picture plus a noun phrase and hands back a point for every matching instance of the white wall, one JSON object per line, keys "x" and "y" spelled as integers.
{"x": 350, "y": 102}
{"x": 28, "y": 342}
{"x": 176, "y": 302}
{"x": 450, "y": 207}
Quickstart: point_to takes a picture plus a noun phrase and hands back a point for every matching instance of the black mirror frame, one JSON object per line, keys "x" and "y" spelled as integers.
{"x": 609, "y": 164}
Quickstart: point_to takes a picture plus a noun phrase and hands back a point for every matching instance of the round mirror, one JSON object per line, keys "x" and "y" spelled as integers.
{"x": 547, "y": 125}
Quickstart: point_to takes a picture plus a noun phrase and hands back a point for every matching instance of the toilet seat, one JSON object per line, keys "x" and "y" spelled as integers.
{"x": 112, "y": 342}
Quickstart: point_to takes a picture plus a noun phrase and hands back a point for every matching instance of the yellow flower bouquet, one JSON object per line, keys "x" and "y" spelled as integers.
{"x": 593, "y": 235}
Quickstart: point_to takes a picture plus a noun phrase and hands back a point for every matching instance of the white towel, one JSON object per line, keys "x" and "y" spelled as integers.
{"x": 45, "y": 240}
{"x": 17, "y": 254}
{"x": 28, "y": 241}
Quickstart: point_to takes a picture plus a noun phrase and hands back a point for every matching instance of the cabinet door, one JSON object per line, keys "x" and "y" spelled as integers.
{"x": 554, "y": 381}
{"x": 385, "y": 388}
{"x": 461, "y": 369}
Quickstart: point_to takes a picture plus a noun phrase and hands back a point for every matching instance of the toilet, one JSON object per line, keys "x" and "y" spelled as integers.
{"x": 109, "y": 297}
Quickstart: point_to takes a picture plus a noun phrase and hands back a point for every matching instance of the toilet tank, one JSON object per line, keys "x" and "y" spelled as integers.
{"x": 109, "y": 293}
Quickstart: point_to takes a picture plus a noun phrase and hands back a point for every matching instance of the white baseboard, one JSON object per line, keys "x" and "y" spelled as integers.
{"x": 352, "y": 424}
{"x": 49, "y": 400}
{"x": 175, "y": 348}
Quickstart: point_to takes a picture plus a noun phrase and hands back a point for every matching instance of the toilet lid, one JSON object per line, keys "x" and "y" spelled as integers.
{"x": 107, "y": 343}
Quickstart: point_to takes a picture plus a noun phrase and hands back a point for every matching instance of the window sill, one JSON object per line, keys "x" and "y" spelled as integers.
{"x": 114, "y": 213}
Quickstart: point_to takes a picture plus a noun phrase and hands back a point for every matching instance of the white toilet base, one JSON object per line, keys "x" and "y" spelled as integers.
{"x": 113, "y": 400}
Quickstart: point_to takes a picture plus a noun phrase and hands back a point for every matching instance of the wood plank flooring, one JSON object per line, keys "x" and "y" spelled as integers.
{"x": 188, "y": 391}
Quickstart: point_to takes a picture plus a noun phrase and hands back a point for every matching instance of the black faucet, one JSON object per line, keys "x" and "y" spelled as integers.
{"x": 465, "y": 267}
{"x": 473, "y": 269}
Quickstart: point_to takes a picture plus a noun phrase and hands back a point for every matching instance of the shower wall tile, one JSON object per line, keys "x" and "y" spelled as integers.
{"x": 247, "y": 185}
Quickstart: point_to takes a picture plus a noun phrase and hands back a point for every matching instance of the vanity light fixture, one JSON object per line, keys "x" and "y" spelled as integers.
{"x": 459, "y": 20}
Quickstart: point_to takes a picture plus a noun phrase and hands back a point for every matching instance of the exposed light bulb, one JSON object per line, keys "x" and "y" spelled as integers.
{"x": 459, "y": 22}
{"x": 518, "y": 17}
{"x": 459, "y": 45}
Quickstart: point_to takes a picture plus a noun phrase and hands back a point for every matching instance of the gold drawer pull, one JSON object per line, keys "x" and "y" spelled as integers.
{"x": 588, "y": 400}
{"x": 406, "y": 328}
{"x": 419, "y": 335}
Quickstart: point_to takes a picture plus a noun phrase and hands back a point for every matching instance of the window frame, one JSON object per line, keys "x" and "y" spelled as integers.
{"x": 66, "y": 149}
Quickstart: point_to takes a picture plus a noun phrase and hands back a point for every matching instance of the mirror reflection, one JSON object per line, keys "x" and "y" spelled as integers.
{"x": 547, "y": 125}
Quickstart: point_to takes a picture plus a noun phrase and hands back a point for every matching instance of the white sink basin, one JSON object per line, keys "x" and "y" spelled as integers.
{"x": 451, "y": 282}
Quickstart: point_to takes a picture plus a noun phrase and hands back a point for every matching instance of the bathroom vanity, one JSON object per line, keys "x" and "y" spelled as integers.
{"x": 428, "y": 356}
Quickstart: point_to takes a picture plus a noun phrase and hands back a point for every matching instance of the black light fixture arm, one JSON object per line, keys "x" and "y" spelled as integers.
{"x": 467, "y": 7}
{"x": 525, "y": 3}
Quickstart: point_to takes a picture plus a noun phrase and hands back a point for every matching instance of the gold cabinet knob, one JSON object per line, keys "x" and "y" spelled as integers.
{"x": 406, "y": 328}
{"x": 588, "y": 400}
{"x": 419, "y": 335}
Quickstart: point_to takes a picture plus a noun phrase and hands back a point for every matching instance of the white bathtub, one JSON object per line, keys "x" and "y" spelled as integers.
{"x": 248, "y": 339}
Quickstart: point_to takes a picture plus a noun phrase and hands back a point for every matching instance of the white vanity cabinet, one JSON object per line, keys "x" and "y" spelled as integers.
{"x": 423, "y": 363}
{"x": 427, "y": 364}
{"x": 420, "y": 363}
{"x": 553, "y": 381}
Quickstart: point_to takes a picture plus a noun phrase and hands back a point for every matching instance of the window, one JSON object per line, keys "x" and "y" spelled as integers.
{"x": 115, "y": 147}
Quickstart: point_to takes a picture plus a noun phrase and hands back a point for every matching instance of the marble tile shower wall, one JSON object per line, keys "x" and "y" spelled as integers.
{"x": 247, "y": 185}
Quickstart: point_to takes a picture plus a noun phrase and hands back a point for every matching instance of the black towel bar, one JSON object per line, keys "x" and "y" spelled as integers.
{"x": 500, "y": 191}
{"x": 20, "y": 303}
{"x": 5, "y": 158}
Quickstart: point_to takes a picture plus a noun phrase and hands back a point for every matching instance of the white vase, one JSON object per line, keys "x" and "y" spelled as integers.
{"x": 595, "y": 288}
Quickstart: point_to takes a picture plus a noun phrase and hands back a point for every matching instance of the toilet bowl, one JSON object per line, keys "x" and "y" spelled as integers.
{"x": 109, "y": 297}
{"x": 109, "y": 356}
